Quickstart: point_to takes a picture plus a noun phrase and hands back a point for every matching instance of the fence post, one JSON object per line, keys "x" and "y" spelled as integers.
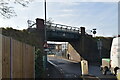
{"x": 0, "y": 56}
{"x": 10, "y": 58}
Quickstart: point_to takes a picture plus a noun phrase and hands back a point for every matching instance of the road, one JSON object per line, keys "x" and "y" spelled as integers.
{"x": 72, "y": 69}
{"x": 53, "y": 72}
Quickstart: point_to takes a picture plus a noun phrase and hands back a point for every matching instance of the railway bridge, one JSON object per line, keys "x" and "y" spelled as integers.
{"x": 82, "y": 42}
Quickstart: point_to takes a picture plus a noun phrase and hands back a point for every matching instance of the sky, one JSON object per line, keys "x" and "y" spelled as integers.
{"x": 78, "y": 13}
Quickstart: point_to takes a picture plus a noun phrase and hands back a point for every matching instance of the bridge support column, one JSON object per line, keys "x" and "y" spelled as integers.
{"x": 40, "y": 24}
{"x": 83, "y": 40}
{"x": 41, "y": 33}
{"x": 82, "y": 30}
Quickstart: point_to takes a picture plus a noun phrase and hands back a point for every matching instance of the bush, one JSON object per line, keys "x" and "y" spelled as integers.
{"x": 39, "y": 71}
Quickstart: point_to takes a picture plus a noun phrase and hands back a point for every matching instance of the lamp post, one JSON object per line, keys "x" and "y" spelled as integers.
{"x": 45, "y": 21}
{"x": 45, "y": 42}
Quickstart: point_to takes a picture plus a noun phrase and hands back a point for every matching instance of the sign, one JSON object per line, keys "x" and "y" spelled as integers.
{"x": 46, "y": 50}
{"x": 45, "y": 45}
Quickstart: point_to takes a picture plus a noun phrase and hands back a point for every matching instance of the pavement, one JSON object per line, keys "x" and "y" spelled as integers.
{"x": 72, "y": 69}
{"x": 53, "y": 72}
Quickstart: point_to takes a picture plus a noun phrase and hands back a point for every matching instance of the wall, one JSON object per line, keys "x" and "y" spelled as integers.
{"x": 17, "y": 59}
{"x": 73, "y": 53}
{"x": 106, "y": 46}
{"x": 87, "y": 46}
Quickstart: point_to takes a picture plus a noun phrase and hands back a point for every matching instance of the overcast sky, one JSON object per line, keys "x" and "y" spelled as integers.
{"x": 100, "y": 15}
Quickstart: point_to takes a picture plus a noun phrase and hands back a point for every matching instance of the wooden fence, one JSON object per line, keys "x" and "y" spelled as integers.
{"x": 16, "y": 59}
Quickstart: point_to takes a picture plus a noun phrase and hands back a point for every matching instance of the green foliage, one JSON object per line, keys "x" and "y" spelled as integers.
{"x": 24, "y": 36}
{"x": 101, "y": 37}
{"x": 39, "y": 71}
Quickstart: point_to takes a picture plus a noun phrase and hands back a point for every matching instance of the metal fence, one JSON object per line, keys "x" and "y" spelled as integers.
{"x": 66, "y": 28}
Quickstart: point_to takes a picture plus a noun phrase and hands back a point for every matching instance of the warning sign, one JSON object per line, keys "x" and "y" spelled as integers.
{"x": 45, "y": 45}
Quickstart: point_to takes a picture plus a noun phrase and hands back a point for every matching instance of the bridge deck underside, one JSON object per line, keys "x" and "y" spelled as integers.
{"x": 62, "y": 36}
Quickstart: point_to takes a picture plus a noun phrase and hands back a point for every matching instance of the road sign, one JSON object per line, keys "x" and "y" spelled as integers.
{"x": 46, "y": 50}
{"x": 45, "y": 45}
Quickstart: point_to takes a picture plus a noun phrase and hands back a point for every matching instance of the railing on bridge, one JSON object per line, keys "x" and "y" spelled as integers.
{"x": 57, "y": 27}
{"x": 54, "y": 27}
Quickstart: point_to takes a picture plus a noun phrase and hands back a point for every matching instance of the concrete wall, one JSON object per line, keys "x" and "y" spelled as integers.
{"x": 87, "y": 46}
{"x": 106, "y": 46}
{"x": 74, "y": 55}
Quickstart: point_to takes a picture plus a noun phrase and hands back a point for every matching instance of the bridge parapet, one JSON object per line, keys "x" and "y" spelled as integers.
{"x": 54, "y": 27}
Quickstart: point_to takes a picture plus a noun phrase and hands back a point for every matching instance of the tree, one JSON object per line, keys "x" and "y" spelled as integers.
{"x": 7, "y": 11}
{"x": 49, "y": 21}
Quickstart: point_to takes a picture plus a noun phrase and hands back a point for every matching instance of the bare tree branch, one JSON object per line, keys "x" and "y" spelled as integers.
{"x": 8, "y": 11}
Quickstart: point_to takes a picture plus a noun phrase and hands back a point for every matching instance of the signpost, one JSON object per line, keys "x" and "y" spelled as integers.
{"x": 45, "y": 56}
{"x": 99, "y": 44}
